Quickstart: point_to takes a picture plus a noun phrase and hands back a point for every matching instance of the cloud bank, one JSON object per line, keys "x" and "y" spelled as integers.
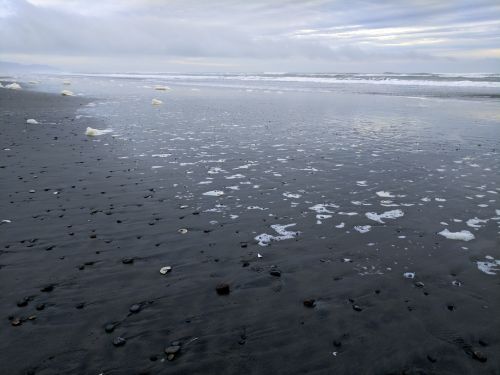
{"x": 231, "y": 35}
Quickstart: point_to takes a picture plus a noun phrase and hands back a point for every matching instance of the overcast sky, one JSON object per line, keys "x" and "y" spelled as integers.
{"x": 253, "y": 35}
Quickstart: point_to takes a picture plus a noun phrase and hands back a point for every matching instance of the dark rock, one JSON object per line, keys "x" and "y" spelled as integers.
{"x": 356, "y": 308}
{"x": 119, "y": 341}
{"x": 309, "y": 303}
{"x": 40, "y": 306}
{"x": 419, "y": 284}
{"x": 276, "y": 273}
{"x": 222, "y": 289}
{"x": 478, "y": 355}
{"x": 47, "y": 288}
{"x": 172, "y": 349}
{"x": 16, "y": 322}
{"x": 431, "y": 358}
{"x": 80, "y": 305}
{"x": 128, "y": 260}
{"x": 110, "y": 327}
{"x": 23, "y": 302}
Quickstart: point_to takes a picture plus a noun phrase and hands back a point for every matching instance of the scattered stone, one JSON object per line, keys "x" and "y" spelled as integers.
{"x": 16, "y": 322}
{"x": 40, "y": 306}
{"x": 172, "y": 349}
{"x": 356, "y": 307}
{"x": 135, "y": 308}
{"x": 47, "y": 288}
{"x": 309, "y": 303}
{"x": 276, "y": 273}
{"x": 23, "y": 302}
{"x": 478, "y": 355}
{"x": 431, "y": 358}
{"x": 222, "y": 289}
{"x": 110, "y": 327}
{"x": 119, "y": 341}
{"x": 182, "y": 231}
{"x": 419, "y": 284}
{"x": 165, "y": 270}
{"x": 128, "y": 260}
{"x": 80, "y": 305}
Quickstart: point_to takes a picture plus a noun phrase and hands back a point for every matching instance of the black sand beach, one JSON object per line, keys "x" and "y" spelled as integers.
{"x": 87, "y": 228}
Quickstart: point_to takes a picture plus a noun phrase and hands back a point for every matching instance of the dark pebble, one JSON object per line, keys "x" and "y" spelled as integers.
{"x": 309, "y": 303}
{"x": 40, "y": 306}
{"x": 480, "y": 356}
{"x": 431, "y": 358}
{"x": 128, "y": 260}
{"x": 110, "y": 327}
{"x": 356, "y": 308}
{"x": 172, "y": 349}
{"x": 47, "y": 289}
{"x": 275, "y": 273}
{"x": 119, "y": 341}
{"x": 23, "y": 302}
{"x": 222, "y": 289}
{"x": 419, "y": 284}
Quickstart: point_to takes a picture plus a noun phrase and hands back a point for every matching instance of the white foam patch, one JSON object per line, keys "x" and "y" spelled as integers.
{"x": 323, "y": 208}
{"x": 394, "y": 214}
{"x": 409, "y": 275}
{"x": 463, "y": 235}
{"x": 214, "y": 193}
{"x": 489, "y": 267}
{"x": 475, "y": 222}
{"x": 13, "y": 86}
{"x": 265, "y": 239}
{"x": 67, "y": 93}
{"x": 363, "y": 228}
{"x": 291, "y": 195}
{"x": 160, "y": 155}
{"x": 32, "y": 121}
{"x": 385, "y": 194}
{"x": 235, "y": 176}
{"x": 156, "y": 102}
{"x": 91, "y": 132}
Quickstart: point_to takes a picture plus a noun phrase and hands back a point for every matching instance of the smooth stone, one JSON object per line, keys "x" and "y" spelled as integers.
{"x": 173, "y": 349}
{"x": 356, "y": 308}
{"x": 128, "y": 260}
{"x": 110, "y": 327}
{"x": 275, "y": 273}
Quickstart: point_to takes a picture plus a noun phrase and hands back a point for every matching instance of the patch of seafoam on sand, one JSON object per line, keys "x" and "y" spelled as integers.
{"x": 363, "y": 228}
{"x": 91, "y": 132}
{"x": 13, "y": 86}
{"x": 394, "y": 214}
{"x": 214, "y": 193}
{"x": 265, "y": 239}
{"x": 463, "y": 235}
{"x": 490, "y": 266}
{"x": 31, "y": 121}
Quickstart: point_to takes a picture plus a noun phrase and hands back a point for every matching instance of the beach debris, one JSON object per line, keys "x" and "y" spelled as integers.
{"x": 162, "y": 88}
{"x": 40, "y": 306}
{"x": 182, "y": 231}
{"x": 67, "y": 93}
{"x": 32, "y": 121}
{"x": 91, "y": 132}
{"x": 409, "y": 275}
{"x": 5, "y": 221}
{"x": 259, "y": 255}
{"x": 394, "y": 214}
{"x": 419, "y": 284}
{"x": 128, "y": 260}
{"x": 265, "y": 239}
{"x": 23, "y": 302}
{"x": 119, "y": 341}
{"x": 309, "y": 303}
{"x": 463, "y": 235}
{"x": 156, "y": 102}
{"x": 165, "y": 270}
{"x": 13, "y": 86}
{"x": 222, "y": 289}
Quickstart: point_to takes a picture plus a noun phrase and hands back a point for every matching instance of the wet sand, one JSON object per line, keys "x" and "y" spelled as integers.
{"x": 89, "y": 232}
